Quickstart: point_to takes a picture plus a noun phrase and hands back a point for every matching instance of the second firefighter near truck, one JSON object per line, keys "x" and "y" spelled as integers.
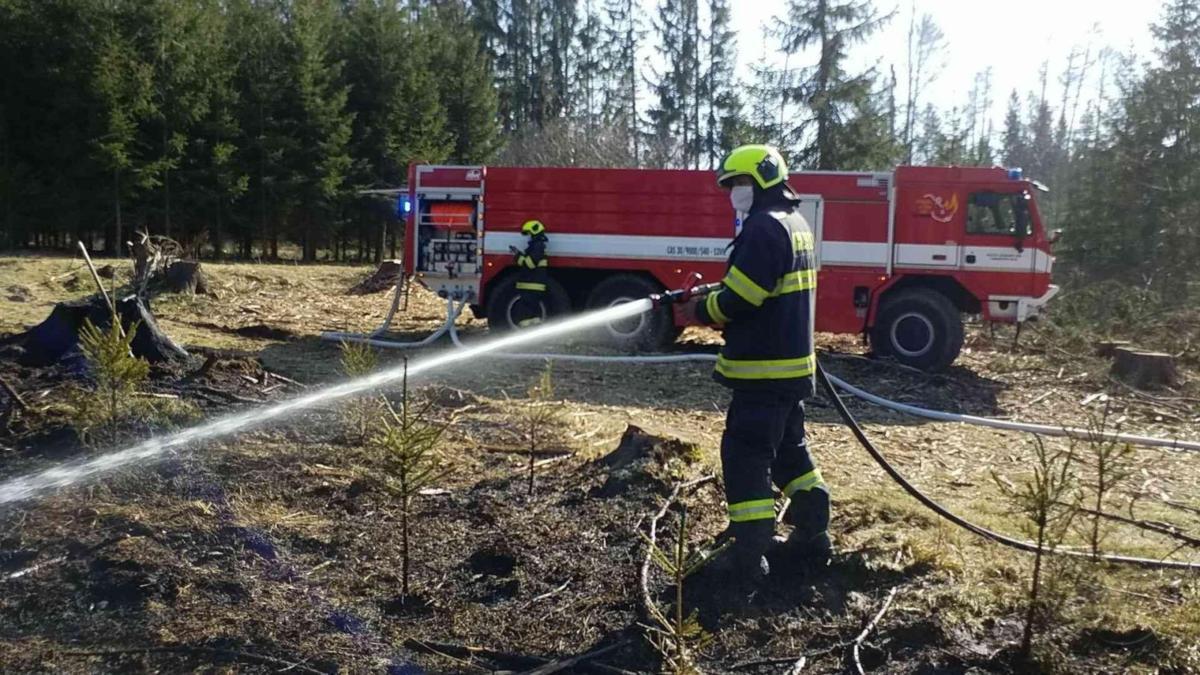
{"x": 532, "y": 275}
{"x": 766, "y": 310}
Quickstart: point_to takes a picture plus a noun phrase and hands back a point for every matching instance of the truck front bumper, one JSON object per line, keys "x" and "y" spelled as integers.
{"x": 1018, "y": 308}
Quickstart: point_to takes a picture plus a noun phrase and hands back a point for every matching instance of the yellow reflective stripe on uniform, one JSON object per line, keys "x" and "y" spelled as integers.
{"x": 525, "y": 261}
{"x": 530, "y": 286}
{"x": 802, "y": 241}
{"x": 737, "y": 281}
{"x": 794, "y": 282}
{"x": 755, "y": 509}
{"x": 806, "y": 482}
{"x": 713, "y": 307}
{"x": 544, "y": 262}
{"x": 775, "y": 369}
{"x": 528, "y": 322}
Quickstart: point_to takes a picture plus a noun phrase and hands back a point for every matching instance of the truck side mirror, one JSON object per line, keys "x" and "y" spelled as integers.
{"x": 1054, "y": 237}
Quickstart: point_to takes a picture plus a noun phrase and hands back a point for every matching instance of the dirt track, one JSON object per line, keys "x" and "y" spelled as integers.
{"x": 282, "y": 543}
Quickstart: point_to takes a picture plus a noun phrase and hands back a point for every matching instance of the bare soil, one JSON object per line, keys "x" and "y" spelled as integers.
{"x": 279, "y": 549}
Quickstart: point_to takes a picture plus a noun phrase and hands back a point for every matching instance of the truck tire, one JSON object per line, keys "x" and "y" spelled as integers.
{"x": 919, "y": 328}
{"x": 649, "y": 331}
{"x": 504, "y": 296}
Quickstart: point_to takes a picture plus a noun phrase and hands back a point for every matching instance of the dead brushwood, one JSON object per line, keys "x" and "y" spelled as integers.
{"x": 858, "y": 641}
{"x": 674, "y": 632}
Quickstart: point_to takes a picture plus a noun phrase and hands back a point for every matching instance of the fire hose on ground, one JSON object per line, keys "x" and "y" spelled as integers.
{"x": 831, "y": 384}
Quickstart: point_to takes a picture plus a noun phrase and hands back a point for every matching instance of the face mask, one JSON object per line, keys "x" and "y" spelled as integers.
{"x": 742, "y": 198}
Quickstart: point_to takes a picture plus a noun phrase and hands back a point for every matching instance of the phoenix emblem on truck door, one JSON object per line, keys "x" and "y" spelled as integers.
{"x": 937, "y": 207}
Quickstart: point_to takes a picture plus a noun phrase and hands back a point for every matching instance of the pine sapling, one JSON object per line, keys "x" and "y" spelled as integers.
{"x": 1107, "y": 461}
{"x": 542, "y": 415}
{"x": 676, "y": 629}
{"x": 358, "y": 360}
{"x": 411, "y": 445}
{"x": 1049, "y": 500}
{"x": 117, "y": 373}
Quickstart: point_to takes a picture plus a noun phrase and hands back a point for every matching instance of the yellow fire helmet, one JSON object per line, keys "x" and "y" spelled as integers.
{"x": 763, "y": 163}
{"x": 533, "y": 228}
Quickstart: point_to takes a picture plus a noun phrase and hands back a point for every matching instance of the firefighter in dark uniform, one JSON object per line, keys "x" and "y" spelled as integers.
{"x": 532, "y": 275}
{"x": 766, "y": 306}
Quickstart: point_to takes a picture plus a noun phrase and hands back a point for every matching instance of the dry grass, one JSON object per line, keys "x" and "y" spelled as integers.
{"x": 292, "y": 482}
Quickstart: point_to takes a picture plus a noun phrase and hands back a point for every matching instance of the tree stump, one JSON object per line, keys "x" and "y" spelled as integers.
{"x": 186, "y": 276}
{"x": 1105, "y": 348}
{"x": 646, "y": 460}
{"x": 1144, "y": 370}
{"x": 58, "y": 336}
{"x": 382, "y": 279}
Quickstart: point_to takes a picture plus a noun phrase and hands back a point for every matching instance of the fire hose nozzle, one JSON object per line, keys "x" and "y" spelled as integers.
{"x": 684, "y": 294}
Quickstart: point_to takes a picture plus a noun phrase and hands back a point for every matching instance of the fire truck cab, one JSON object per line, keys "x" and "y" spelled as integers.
{"x": 902, "y": 255}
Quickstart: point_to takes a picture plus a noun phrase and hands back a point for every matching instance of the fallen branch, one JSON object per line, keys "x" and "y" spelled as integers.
{"x": 458, "y": 651}
{"x": 208, "y": 651}
{"x": 213, "y": 391}
{"x": 13, "y": 395}
{"x": 1181, "y": 506}
{"x": 547, "y": 594}
{"x": 151, "y": 394}
{"x": 792, "y": 660}
{"x": 464, "y": 653}
{"x": 865, "y": 631}
{"x": 62, "y": 558}
{"x": 1150, "y": 526}
{"x": 563, "y": 664}
{"x": 281, "y": 378}
{"x": 648, "y": 610}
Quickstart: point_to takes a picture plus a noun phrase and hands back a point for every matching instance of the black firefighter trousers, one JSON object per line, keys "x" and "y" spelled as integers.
{"x": 764, "y": 442}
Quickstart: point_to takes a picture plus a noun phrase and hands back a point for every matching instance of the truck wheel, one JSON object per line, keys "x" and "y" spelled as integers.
{"x": 649, "y": 331}
{"x": 504, "y": 298}
{"x": 919, "y": 328}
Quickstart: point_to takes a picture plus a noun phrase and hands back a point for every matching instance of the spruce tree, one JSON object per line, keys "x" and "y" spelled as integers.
{"x": 831, "y": 26}
{"x": 621, "y": 34}
{"x": 319, "y": 120}
{"x": 463, "y": 78}
{"x": 720, "y": 92}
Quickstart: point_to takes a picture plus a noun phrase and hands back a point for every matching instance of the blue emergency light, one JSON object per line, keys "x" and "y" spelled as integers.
{"x": 1015, "y": 173}
{"x": 403, "y": 206}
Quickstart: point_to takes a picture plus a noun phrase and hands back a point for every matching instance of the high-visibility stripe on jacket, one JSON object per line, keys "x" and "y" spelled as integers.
{"x": 766, "y": 304}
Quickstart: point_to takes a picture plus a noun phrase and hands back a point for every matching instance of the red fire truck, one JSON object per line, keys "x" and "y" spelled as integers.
{"x": 901, "y": 255}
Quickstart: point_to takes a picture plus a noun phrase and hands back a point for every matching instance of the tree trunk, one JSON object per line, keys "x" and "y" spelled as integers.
{"x": 383, "y": 232}
{"x": 113, "y": 246}
{"x": 406, "y": 505}
{"x": 217, "y": 244}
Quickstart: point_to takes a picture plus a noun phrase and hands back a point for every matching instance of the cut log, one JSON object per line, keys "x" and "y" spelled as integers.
{"x": 382, "y": 279}
{"x": 1144, "y": 370}
{"x": 186, "y": 276}
{"x": 58, "y": 336}
{"x": 1106, "y": 348}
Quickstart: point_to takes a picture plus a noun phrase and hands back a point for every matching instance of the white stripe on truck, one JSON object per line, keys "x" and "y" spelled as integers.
{"x": 835, "y": 253}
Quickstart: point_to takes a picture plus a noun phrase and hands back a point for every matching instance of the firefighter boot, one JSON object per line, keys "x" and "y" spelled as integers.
{"x": 742, "y": 568}
{"x": 808, "y": 547}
